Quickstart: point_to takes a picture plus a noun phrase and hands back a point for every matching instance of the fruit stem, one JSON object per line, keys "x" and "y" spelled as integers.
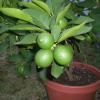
{"x": 52, "y": 48}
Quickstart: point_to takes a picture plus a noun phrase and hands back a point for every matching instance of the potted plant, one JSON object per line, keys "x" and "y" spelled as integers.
{"x": 51, "y": 29}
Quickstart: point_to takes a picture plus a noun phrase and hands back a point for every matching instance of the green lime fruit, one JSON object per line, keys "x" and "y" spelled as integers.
{"x": 45, "y": 40}
{"x": 43, "y": 58}
{"x": 63, "y": 54}
{"x": 63, "y": 23}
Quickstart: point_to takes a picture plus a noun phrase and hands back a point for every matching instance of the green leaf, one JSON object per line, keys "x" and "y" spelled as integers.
{"x": 30, "y": 5}
{"x": 52, "y": 22}
{"x": 96, "y": 28}
{"x": 71, "y": 32}
{"x": 28, "y": 39}
{"x": 55, "y": 32}
{"x": 1, "y": 3}
{"x": 96, "y": 23}
{"x": 70, "y": 14}
{"x": 62, "y": 13}
{"x": 43, "y": 74}
{"x": 55, "y": 5}
{"x": 4, "y": 36}
{"x": 24, "y": 70}
{"x": 16, "y": 58}
{"x": 26, "y": 27}
{"x": 83, "y": 30}
{"x": 26, "y": 54}
{"x": 42, "y": 5}
{"x": 40, "y": 18}
{"x": 81, "y": 19}
{"x": 56, "y": 70}
{"x": 80, "y": 37}
{"x": 17, "y": 13}
{"x": 3, "y": 29}
{"x": 87, "y": 3}
{"x": 96, "y": 11}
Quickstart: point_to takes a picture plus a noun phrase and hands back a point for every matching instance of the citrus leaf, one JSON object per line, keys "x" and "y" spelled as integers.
{"x": 70, "y": 14}
{"x": 26, "y": 54}
{"x": 82, "y": 19}
{"x": 26, "y": 27}
{"x": 80, "y": 37}
{"x": 62, "y": 13}
{"x": 38, "y": 17}
{"x": 42, "y": 75}
{"x": 1, "y": 2}
{"x": 87, "y": 3}
{"x": 55, "y": 5}
{"x": 4, "y": 36}
{"x": 43, "y": 5}
{"x": 17, "y": 13}
{"x": 16, "y": 58}
{"x": 56, "y": 70}
{"x": 28, "y": 39}
{"x": 96, "y": 23}
{"x": 71, "y": 32}
{"x": 84, "y": 30}
{"x": 30, "y": 5}
{"x": 24, "y": 70}
{"x": 55, "y": 32}
{"x": 3, "y": 29}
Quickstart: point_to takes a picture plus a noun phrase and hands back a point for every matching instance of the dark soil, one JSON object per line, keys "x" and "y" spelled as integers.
{"x": 81, "y": 76}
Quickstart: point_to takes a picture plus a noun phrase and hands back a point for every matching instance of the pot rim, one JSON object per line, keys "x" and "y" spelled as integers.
{"x": 92, "y": 86}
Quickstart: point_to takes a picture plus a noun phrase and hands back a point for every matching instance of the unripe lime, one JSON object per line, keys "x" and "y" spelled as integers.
{"x": 43, "y": 58}
{"x": 63, "y": 54}
{"x": 45, "y": 40}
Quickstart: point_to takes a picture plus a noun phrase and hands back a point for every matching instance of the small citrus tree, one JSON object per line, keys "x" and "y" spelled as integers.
{"x": 46, "y": 33}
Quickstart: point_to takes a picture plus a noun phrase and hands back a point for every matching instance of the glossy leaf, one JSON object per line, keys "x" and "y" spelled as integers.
{"x": 42, "y": 75}
{"x": 96, "y": 11}
{"x": 24, "y": 70}
{"x": 81, "y": 19}
{"x": 16, "y": 58}
{"x": 55, "y": 5}
{"x": 71, "y": 32}
{"x": 70, "y": 14}
{"x": 3, "y": 36}
{"x": 80, "y": 37}
{"x": 43, "y": 5}
{"x": 84, "y": 30}
{"x": 30, "y": 5}
{"x": 40, "y": 18}
{"x": 96, "y": 23}
{"x": 28, "y": 39}
{"x": 55, "y": 32}
{"x": 17, "y": 13}
{"x": 56, "y": 70}
{"x": 26, "y": 27}
{"x": 26, "y": 54}
{"x": 62, "y": 13}
{"x": 3, "y": 29}
{"x": 87, "y": 3}
{"x": 1, "y": 3}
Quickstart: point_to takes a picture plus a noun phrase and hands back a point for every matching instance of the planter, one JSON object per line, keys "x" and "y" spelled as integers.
{"x": 58, "y": 91}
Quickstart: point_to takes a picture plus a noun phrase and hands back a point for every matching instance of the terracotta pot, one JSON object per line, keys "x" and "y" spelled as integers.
{"x": 58, "y": 91}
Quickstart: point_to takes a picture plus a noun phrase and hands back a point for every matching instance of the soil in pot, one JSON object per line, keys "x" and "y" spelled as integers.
{"x": 81, "y": 76}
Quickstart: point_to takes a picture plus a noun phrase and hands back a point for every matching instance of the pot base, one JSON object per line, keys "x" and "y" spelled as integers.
{"x": 58, "y": 91}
